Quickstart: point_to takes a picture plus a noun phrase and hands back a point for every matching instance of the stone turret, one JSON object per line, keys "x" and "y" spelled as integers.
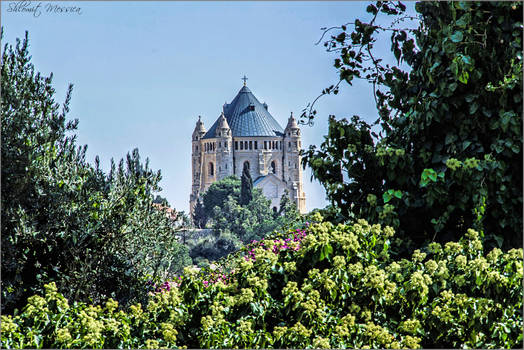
{"x": 196, "y": 162}
{"x": 292, "y": 160}
{"x": 225, "y": 148}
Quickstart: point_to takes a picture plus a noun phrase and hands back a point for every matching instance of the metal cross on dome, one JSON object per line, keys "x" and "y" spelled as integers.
{"x": 244, "y": 79}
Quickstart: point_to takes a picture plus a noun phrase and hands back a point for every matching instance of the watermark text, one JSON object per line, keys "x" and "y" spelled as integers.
{"x": 36, "y": 9}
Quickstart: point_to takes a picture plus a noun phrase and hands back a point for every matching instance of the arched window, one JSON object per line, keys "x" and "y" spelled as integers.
{"x": 273, "y": 168}
{"x": 211, "y": 170}
{"x": 246, "y": 163}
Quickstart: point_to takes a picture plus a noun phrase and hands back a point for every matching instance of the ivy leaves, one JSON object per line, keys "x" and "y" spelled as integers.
{"x": 461, "y": 99}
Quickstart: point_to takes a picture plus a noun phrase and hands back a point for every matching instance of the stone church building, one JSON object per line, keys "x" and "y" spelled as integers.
{"x": 245, "y": 132}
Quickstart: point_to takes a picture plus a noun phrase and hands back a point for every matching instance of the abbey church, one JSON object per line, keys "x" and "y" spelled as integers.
{"x": 245, "y": 132}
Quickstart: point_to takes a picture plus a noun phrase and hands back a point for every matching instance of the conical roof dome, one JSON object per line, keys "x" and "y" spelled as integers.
{"x": 246, "y": 116}
{"x": 291, "y": 123}
{"x": 222, "y": 122}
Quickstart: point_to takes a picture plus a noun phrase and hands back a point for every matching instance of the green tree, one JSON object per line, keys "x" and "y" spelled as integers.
{"x": 161, "y": 200}
{"x": 199, "y": 216}
{"x": 63, "y": 219}
{"x": 449, "y": 153}
{"x": 246, "y": 190}
{"x": 235, "y": 223}
{"x": 248, "y": 222}
{"x": 288, "y": 213}
{"x": 218, "y": 192}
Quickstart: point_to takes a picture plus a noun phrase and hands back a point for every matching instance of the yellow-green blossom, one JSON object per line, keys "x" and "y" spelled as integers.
{"x": 329, "y": 284}
{"x": 279, "y": 332}
{"x": 410, "y": 326}
{"x": 50, "y": 289}
{"x": 411, "y": 342}
{"x": 246, "y": 265}
{"x": 299, "y": 329}
{"x": 442, "y": 272}
{"x": 152, "y": 344}
{"x": 36, "y": 301}
{"x": 257, "y": 282}
{"x": 452, "y": 248}
{"x": 394, "y": 267}
{"x": 366, "y": 315}
{"x": 246, "y": 296}
{"x": 344, "y": 325}
{"x": 321, "y": 343}
{"x": 63, "y": 335}
{"x": 217, "y": 308}
{"x": 418, "y": 256}
{"x": 389, "y": 231}
{"x": 461, "y": 261}
{"x": 307, "y": 287}
{"x": 355, "y": 269}
{"x": 493, "y": 256}
{"x": 207, "y": 322}
{"x": 420, "y": 281}
{"x": 471, "y": 163}
{"x": 431, "y": 266}
{"x": 515, "y": 254}
{"x": 378, "y": 333}
{"x": 245, "y": 326}
{"x": 435, "y": 247}
{"x": 479, "y": 264}
{"x": 290, "y": 288}
{"x": 169, "y": 332}
{"x": 8, "y": 325}
{"x": 453, "y": 164}
{"x": 495, "y": 277}
{"x": 111, "y": 305}
{"x": 339, "y": 262}
{"x": 136, "y": 310}
{"x": 374, "y": 277}
{"x": 290, "y": 267}
{"x": 113, "y": 326}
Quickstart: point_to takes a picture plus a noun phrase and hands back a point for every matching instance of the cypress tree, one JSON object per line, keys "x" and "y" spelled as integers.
{"x": 200, "y": 217}
{"x": 246, "y": 189}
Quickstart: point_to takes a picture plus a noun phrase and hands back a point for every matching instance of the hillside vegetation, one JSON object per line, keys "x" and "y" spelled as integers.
{"x": 321, "y": 286}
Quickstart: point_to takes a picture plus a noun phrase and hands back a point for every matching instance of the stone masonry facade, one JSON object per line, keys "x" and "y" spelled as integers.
{"x": 274, "y": 160}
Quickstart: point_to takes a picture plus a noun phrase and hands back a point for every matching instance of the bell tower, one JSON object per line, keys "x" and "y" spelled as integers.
{"x": 292, "y": 163}
{"x": 225, "y": 148}
{"x": 196, "y": 163}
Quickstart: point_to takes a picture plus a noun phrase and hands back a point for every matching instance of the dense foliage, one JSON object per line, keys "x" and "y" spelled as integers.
{"x": 449, "y": 154}
{"x": 321, "y": 286}
{"x": 235, "y": 223}
{"x": 64, "y": 220}
{"x": 223, "y": 204}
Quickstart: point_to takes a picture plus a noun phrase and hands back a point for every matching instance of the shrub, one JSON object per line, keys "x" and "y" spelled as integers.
{"x": 96, "y": 235}
{"x": 323, "y": 286}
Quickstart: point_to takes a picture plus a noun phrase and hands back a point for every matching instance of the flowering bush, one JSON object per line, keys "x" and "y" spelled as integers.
{"x": 321, "y": 286}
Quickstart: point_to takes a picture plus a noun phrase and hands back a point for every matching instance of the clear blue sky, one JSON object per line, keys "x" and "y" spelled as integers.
{"x": 143, "y": 71}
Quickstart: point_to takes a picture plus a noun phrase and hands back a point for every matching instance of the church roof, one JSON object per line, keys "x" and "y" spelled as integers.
{"x": 246, "y": 116}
